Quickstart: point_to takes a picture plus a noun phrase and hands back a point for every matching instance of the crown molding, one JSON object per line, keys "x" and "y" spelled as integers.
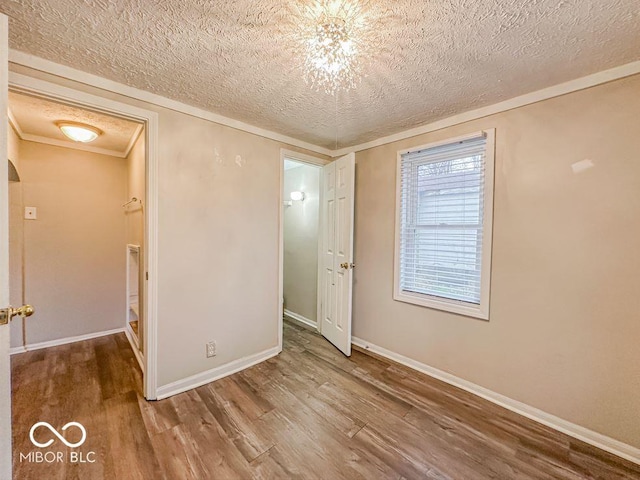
{"x": 134, "y": 139}
{"x": 598, "y": 78}
{"x": 14, "y": 123}
{"x": 27, "y": 137}
{"x": 571, "y": 86}
{"x": 31, "y": 61}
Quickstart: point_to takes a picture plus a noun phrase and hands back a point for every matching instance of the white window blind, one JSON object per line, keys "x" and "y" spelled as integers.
{"x": 441, "y": 221}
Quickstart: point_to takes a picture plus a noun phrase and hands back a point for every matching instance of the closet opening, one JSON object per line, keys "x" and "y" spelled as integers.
{"x": 316, "y": 249}
{"x": 77, "y": 227}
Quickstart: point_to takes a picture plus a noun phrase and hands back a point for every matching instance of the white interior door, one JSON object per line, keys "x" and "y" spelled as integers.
{"x": 336, "y": 252}
{"x": 5, "y": 372}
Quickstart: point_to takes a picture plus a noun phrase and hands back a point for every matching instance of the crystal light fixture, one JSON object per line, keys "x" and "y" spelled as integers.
{"x": 333, "y": 35}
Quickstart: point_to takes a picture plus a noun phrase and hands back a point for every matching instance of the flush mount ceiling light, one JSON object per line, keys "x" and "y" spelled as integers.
{"x": 79, "y": 132}
{"x": 335, "y": 36}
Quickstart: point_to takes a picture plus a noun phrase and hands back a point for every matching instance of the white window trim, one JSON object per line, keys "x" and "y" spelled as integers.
{"x": 453, "y": 306}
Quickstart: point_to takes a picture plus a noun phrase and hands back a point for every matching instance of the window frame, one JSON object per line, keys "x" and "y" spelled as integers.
{"x": 439, "y": 303}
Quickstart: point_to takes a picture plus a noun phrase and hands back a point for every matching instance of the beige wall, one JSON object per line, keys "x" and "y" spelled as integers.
{"x": 74, "y": 251}
{"x": 15, "y": 237}
{"x": 13, "y": 146}
{"x": 217, "y": 239}
{"x": 565, "y": 309}
{"x": 301, "y": 241}
{"x": 218, "y": 245}
{"x": 136, "y": 188}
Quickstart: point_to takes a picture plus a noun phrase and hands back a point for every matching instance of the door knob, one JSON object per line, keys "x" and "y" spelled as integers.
{"x": 347, "y": 266}
{"x": 6, "y": 314}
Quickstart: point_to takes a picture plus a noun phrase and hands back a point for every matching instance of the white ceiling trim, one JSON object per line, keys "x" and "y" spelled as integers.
{"x": 61, "y": 143}
{"x": 28, "y": 137}
{"x": 134, "y": 139}
{"x": 14, "y": 123}
{"x": 46, "y": 66}
{"x": 582, "y": 83}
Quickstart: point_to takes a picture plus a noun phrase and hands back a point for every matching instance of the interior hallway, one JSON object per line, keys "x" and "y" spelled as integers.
{"x": 307, "y": 413}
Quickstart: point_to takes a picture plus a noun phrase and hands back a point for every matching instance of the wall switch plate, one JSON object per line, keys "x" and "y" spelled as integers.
{"x": 30, "y": 213}
{"x": 211, "y": 349}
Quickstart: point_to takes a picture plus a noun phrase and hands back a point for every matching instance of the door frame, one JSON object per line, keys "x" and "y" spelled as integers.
{"x": 40, "y": 88}
{"x": 309, "y": 160}
{"x": 6, "y": 450}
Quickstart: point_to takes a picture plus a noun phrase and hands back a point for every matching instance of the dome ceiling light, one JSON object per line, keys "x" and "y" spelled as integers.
{"x": 79, "y": 132}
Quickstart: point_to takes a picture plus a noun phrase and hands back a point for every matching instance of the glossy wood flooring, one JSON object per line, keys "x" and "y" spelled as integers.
{"x": 309, "y": 413}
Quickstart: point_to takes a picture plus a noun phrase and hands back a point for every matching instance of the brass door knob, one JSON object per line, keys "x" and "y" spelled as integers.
{"x": 347, "y": 266}
{"x": 24, "y": 311}
{"x": 6, "y": 314}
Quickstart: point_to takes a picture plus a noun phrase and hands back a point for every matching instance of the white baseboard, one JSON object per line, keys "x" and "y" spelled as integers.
{"x": 62, "y": 341}
{"x": 128, "y": 329}
{"x": 301, "y": 319}
{"x": 133, "y": 341}
{"x": 596, "y": 439}
{"x": 199, "y": 379}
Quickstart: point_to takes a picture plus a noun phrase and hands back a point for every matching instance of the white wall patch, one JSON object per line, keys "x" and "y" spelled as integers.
{"x": 582, "y": 165}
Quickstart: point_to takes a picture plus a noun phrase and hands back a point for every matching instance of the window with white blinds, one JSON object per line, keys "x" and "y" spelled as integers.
{"x": 444, "y": 215}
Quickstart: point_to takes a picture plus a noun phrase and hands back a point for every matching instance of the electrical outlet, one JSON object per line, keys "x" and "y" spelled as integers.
{"x": 211, "y": 349}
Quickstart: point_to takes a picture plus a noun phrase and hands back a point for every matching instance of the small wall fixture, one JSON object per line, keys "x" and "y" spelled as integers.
{"x": 133, "y": 200}
{"x": 297, "y": 196}
{"x": 79, "y": 132}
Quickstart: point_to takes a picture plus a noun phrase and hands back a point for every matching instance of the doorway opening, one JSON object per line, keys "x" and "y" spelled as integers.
{"x": 301, "y": 221}
{"x": 72, "y": 225}
{"x": 316, "y": 245}
{"x": 77, "y": 212}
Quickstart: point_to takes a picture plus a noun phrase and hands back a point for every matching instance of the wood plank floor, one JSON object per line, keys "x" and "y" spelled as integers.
{"x": 309, "y": 413}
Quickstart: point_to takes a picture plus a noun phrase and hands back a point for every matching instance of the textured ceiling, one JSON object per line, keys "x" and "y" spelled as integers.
{"x": 439, "y": 57}
{"x": 38, "y": 117}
